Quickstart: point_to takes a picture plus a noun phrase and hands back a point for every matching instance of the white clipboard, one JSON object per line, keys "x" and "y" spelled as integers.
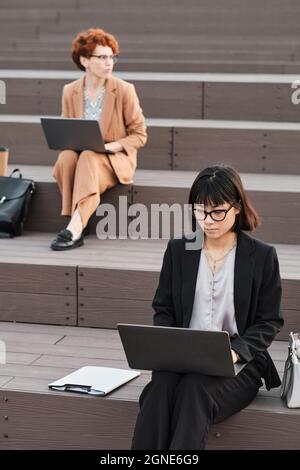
{"x": 94, "y": 380}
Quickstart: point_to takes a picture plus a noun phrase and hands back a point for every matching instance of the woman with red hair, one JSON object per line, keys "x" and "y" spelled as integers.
{"x": 83, "y": 177}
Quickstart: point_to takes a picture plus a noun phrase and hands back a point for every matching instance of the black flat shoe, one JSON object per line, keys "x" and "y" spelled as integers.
{"x": 64, "y": 241}
{"x": 86, "y": 231}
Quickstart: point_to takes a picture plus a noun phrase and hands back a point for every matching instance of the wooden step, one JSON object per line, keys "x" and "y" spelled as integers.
{"x": 179, "y": 144}
{"x": 251, "y": 97}
{"x": 242, "y": 63}
{"x": 188, "y": 47}
{"x": 276, "y": 197}
{"x": 227, "y": 37}
{"x": 42, "y": 419}
{"x": 149, "y": 65}
{"x": 45, "y": 206}
{"x": 167, "y": 54}
{"x": 158, "y": 18}
{"x": 104, "y": 282}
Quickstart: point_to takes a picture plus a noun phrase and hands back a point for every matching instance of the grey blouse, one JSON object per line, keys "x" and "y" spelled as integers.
{"x": 93, "y": 110}
{"x": 213, "y": 307}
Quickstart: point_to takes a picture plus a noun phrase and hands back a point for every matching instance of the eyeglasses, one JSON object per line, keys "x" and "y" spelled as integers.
{"x": 104, "y": 58}
{"x": 217, "y": 215}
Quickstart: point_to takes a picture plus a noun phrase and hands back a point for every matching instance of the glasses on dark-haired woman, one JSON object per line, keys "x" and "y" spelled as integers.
{"x": 218, "y": 215}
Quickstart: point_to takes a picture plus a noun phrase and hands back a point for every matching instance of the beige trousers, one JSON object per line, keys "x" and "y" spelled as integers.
{"x": 81, "y": 180}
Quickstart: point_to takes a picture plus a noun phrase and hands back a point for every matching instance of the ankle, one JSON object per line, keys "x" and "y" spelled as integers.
{"x": 75, "y": 226}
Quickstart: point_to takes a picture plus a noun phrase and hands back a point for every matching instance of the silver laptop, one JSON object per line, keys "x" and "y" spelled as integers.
{"x": 73, "y": 134}
{"x": 179, "y": 350}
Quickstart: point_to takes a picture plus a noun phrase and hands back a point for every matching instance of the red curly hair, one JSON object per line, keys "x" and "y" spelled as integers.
{"x": 86, "y": 41}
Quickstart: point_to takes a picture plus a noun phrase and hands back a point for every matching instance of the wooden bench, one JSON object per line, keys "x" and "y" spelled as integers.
{"x": 179, "y": 144}
{"x": 78, "y": 287}
{"x": 218, "y": 39}
{"x": 186, "y": 18}
{"x": 37, "y": 418}
{"x": 277, "y": 198}
{"x": 41, "y": 62}
{"x": 250, "y": 97}
{"x": 43, "y": 288}
{"x": 213, "y": 55}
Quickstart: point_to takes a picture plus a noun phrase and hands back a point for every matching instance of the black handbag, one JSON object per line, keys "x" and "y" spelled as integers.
{"x": 15, "y": 195}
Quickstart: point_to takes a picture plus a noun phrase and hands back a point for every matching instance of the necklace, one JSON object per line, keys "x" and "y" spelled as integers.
{"x": 217, "y": 260}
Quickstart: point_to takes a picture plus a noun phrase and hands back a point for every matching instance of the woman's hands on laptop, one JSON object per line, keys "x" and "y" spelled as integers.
{"x": 114, "y": 147}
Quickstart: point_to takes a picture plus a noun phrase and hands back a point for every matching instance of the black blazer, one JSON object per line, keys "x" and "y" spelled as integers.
{"x": 257, "y": 296}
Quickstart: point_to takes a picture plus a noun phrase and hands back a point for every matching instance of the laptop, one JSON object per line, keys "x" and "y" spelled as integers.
{"x": 181, "y": 350}
{"x": 73, "y": 134}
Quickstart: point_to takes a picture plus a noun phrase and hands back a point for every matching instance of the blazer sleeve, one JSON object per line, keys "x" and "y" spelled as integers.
{"x": 163, "y": 301}
{"x": 65, "y": 113}
{"x": 268, "y": 320}
{"x": 134, "y": 122}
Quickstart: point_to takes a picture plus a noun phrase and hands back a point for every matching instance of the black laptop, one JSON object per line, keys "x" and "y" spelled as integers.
{"x": 73, "y": 134}
{"x": 181, "y": 350}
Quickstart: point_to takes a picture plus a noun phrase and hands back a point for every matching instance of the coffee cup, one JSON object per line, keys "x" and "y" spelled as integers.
{"x": 3, "y": 160}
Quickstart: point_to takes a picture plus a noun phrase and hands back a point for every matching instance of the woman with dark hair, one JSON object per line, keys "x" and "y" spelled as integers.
{"x": 97, "y": 95}
{"x": 232, "y": 283}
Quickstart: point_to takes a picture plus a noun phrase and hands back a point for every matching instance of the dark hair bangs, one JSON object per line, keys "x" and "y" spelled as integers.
{"x": 210, "y": 192}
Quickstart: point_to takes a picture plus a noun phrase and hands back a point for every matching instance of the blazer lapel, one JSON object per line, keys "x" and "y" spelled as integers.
{"x": 108, "y": 106}
{"x": 78, "y": 98}
{"x": 243, "y": 275}
{"x": 190, "y": 265}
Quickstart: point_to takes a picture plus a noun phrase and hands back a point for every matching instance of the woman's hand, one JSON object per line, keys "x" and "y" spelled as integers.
{"x": 235, "y": 356}
{"x": 114, "y": 147}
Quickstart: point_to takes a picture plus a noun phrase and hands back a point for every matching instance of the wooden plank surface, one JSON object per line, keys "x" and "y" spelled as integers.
{"x": 248, "y": 146}
{"x": 261, "y": 430}
{"x": 130, "y": 284}
{"x": 173, "y": 95}
{"x": 219, "y": 78}
{"x": 102, "y": 264}
{"x": 43, "y": 279}
{"x": 4, "y": 380}
{"x": 38, "y": 308}
{"x": 251, "y": 150}
{"x": 45, "y": 205}
{"x": 144, "y": 255}
{"x": 40, "y": 62}
{"x": 179, "y": 124}
{"x": 31, "y": 336}
{"x": 43, "y": 97}
{"x": 22, "y": 385}
{"x": 27, "y": 144}
{"x": 249, "y": 102}
{"x": 181, "y": 179}
{"x": 39, "y": 421}
{"x": 107, "y": 312}
{"x": 50, "y": 354}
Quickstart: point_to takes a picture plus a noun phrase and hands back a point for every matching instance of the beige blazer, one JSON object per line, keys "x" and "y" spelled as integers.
{"x": 121, "y": 120}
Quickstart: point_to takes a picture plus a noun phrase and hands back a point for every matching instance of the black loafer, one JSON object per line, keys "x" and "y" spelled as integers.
{"x": 86, "y": 231}
{"x": 64, "y": 241}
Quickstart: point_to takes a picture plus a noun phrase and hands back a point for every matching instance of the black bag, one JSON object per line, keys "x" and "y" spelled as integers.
{"x": 15, "y": 194}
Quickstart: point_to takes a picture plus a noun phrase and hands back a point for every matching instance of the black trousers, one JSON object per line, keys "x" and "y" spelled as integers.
{"x": 176, "y": 410}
